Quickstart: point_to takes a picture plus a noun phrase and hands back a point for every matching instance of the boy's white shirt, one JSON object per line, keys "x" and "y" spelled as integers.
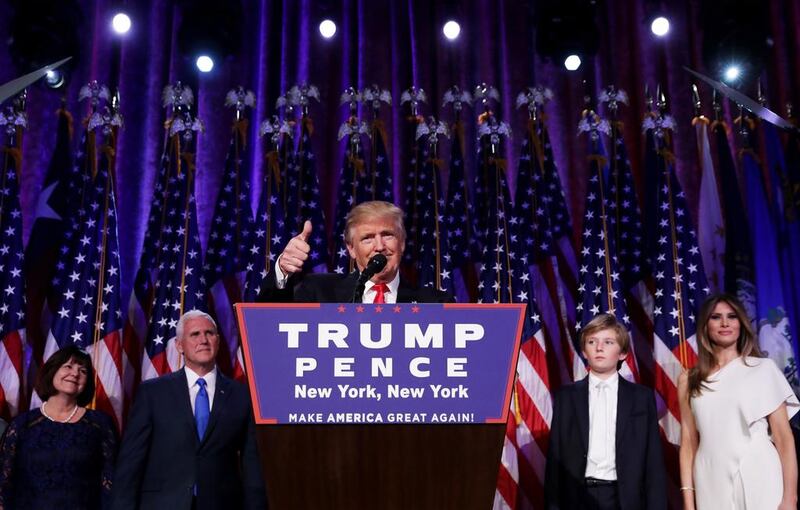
{"x": 605, "y": 467}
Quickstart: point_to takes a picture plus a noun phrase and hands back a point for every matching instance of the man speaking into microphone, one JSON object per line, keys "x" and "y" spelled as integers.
{"x": 375, "y": 238}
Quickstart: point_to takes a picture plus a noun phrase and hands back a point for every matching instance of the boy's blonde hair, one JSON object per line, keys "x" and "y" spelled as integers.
{"x": 607, "y": 321}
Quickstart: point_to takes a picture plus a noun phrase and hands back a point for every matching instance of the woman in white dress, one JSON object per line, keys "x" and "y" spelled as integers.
{"x": 737, "y": 450}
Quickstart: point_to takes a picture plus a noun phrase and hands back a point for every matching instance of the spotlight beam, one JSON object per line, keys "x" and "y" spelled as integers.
{"x": 18, "y": 84}
{"x": 744, "y": 101}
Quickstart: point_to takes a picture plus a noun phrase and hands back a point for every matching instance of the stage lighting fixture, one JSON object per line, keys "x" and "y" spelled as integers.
{"x": 451, "y": 30}
{"x": 572, "y": 62}
{"x": 736, "y": 32}
{"x": 121, "y": 23}
{"x": 54, "y": 79}
{"x": 660, "y": 26}
{"x": 211, "y": 29}
{"x": 327, "y": 28}
{"x": 204, "y": 63}
{"x": 40, "y": 33}
{"x": 732, "y": 73}
{"x": 566, "y": 28}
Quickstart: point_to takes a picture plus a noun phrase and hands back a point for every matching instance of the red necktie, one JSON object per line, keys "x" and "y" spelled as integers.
{"x": 380, "y": 289}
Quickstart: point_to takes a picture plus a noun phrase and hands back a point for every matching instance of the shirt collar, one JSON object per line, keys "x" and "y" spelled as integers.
{"x": 393, "y": 285}
{"x": 612, "y": 382}
{"x": 192, "y": 377}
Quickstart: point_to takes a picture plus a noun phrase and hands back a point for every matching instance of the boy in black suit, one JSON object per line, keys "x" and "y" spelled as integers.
{"x": 605, "y": 450}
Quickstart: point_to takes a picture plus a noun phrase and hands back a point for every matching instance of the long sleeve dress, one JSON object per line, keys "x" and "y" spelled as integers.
{"x": 46, "y": 464}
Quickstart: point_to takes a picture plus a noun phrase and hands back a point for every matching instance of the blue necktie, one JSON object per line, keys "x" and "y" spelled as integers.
{"x": 201, "y": 409}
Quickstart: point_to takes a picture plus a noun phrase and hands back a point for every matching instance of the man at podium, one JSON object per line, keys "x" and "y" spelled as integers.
{"x": 375, "y": 238}
{"x": 390, "y": 464}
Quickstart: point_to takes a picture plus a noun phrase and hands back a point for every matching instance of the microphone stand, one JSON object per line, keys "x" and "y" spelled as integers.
{"x": 358, "y": 295}
{"x": 374, "y": 266}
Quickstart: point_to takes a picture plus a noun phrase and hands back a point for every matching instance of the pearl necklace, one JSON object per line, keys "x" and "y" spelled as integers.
{"x": 69, "y": 418}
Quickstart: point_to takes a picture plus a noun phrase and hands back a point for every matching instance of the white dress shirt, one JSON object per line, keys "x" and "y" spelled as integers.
{"x": 601, "y": 461}
{"x": 280, "y": 277}
{"x": 389, "y": 296}
{"x": 211, "y": 384}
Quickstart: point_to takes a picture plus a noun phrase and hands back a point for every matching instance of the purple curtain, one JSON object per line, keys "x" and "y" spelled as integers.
{"x": 395, "y": 44}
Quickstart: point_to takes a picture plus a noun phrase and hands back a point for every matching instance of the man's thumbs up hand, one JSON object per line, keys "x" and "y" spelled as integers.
{"x": 296, "y": 252}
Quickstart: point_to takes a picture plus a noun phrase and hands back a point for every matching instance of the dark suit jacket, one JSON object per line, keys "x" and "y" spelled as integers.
{"x": 335, "y": 288}
{"x": 640, "y": 467}
{"x": 161, "y": 458}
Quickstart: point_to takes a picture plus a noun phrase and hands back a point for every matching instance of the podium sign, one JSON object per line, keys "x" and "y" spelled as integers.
{"x": 383, "y": 364}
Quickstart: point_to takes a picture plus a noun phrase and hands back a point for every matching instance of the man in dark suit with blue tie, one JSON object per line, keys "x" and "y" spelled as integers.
{"x": 190, "y": 438}
{"x": 605, "y": 450}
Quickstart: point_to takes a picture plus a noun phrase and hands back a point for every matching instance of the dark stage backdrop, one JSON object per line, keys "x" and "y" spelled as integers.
{"x": 394, "y": 44}
{"x": 397, "y": 44}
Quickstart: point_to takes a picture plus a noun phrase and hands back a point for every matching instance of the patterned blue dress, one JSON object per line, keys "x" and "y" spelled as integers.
{"x": 48, "y": 465}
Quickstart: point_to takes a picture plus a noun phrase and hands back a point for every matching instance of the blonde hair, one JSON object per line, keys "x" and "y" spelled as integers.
{"x": 607, "y": 321}
{"x": 373, "y": 209}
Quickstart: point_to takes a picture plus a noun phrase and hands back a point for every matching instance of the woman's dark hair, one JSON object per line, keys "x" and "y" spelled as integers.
{"x": 44, "y": 384}
{"x": 746, "y": 344}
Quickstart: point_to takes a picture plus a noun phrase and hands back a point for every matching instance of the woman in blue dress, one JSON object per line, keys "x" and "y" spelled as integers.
{"x": 60, "y": 455}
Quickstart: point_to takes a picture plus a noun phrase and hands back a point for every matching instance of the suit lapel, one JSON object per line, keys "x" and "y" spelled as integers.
{"x": 406, "y": 294}
{"x": 581, "y": 402}
{"x": 624, "y": 406}
{"x": 221, "y": 394}
{"x": 345, "y": 288}
{"x": 180, "y": 388}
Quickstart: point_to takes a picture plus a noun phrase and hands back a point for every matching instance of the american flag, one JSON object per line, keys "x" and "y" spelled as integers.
{"x": 458, "y": 209}
{"x": 412, "y": 168}
{"x": 88, "y": 312}
{"x": 680, "y": 284}
{"x": 280, "y": 161}
{"x": 12, "y": 283}
{"x": 352, "y": 173}
{"x": 504, "y": 278}
{"x": 626, "y": 220}
{"x": 303, "y": 199}
{"x": 633, "y": 265}
{"x": 413, "y": 189}
{"x": 433, "y": 258}
{"x": 310, "y": 198}
{"x": 520, "y": 481}
{"x": 544, "y": 222}
{"x": 600, "y": 289}
{"x": 269, "y": 233}
{"x": 232, "y": 230}
{"x": 377, "y": 183}
{"x": 560, "y": 224}
{"x": 179, "y": 284}
{"x": 140, "y": 305}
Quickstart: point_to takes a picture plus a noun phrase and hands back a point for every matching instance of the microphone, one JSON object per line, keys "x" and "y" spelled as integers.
{"x": 374, "y": 266}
